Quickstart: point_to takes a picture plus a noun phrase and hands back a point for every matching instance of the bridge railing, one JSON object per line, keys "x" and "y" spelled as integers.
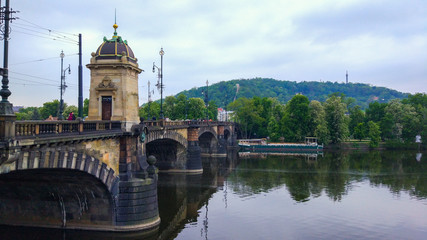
{"x": 39, "y": 128}
{"x": 164, "y": 123}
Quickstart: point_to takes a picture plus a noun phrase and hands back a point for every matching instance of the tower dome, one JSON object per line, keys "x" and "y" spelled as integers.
{"x": 115, "y": 48}
{"x": 113, "y": 92}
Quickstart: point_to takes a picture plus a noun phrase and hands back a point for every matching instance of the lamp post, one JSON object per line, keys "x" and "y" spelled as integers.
{"x": 160, "y": 76}
{"x": 207, "y": 100}
{"x": 186, "y": 108}
{"x": 5, "y": 105}
{"x": 63, "y": 85}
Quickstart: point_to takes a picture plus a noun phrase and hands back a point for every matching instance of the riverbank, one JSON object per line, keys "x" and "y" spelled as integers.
{"x": 364, "y": 146}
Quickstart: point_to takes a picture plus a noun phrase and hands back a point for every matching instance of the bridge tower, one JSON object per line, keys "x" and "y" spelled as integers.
{"x": 114, "y": 82}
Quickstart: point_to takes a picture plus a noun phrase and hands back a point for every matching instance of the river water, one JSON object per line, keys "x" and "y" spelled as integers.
{"x": 335, "y": 195}
{"x": 340, "y": 195}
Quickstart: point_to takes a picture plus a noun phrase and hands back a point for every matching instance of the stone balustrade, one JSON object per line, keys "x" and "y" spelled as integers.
{"x": 39, "y": 128}
{"x": 180, "y": 123}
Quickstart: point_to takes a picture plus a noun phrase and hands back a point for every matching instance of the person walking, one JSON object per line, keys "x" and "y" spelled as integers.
{"x": 71, "y": 117}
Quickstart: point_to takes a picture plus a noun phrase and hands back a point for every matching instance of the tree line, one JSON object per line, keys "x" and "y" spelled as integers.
{"x": 174, "y": 108}
{"x": 180, "y": 108}
{"x": 50, "y": 109}
{"x": 336, "y": 119}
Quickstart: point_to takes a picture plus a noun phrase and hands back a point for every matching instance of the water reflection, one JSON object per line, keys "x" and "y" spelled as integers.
{"x": 182, "y": 196}
{"x": 333, "y": 174}
{"x": 305, "y": 177}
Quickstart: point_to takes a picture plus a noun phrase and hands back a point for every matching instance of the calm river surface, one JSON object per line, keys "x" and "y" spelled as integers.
{"x": 340, "y": 195}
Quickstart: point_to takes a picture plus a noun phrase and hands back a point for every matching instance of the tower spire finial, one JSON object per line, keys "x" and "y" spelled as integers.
{"x": 115, "y": 26}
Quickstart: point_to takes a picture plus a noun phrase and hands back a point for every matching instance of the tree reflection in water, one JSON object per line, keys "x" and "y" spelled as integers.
{"x": 332, "y": 174}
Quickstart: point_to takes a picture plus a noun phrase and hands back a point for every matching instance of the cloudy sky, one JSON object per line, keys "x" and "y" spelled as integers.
{"x": 383, "y": 43}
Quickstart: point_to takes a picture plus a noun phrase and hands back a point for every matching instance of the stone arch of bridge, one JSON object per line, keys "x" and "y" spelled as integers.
{"x": 169, "y": 153}
{"x": 69, "y": 189}
{"x": 208, "y": 142}
{"x": 172, "y": 135}
{"x": 210, "y": 130}
{"x": 70, "y": 160}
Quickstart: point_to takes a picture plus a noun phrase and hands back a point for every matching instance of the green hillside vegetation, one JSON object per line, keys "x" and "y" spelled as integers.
{"x": 224, "y": 92}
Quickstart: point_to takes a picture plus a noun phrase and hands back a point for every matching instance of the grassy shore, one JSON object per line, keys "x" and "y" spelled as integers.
{"x": 364, "y": 145}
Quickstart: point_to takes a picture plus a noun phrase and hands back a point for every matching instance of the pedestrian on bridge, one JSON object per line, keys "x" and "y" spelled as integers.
{"x": 71, "y": 117}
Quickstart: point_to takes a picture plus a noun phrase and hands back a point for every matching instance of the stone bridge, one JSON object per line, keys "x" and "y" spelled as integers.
{"x": 178, "y": 145}
{"x": 94, "y": 175}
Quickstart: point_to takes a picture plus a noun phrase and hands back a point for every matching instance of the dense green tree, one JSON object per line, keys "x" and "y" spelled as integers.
{"x": 263, "y": 109}
{"x": 374, "y": 134}
{"x": 375, "y": 112}
{"x": 169, "y": 107}
{"x": 359, "y": 131}
{"x": 424, "y": 126}
{"x": 86, "y": 107}
{"x": 356, "y": 116}
{"x": 196, "y": 109}
{"x": 181, "y": 107}
{"x": 319, "y": 127}
{"x": 246, "y": 115}
{"x": 419, "y": 103}
{"x": 273, "y": 125}
{"x": 21, "y": 116}
{"x": 336, "y": 119}
{"x": 29, "y": 113}
{"x": 297, "y": 119}
{"x": 36, "y": 114}
{"x": 386, "y": 127}
{"x": 213, "y": 110}
{"x": 405, "y": 121}
{"x": 150, "y": 111}
{"x": 50, "y": 109}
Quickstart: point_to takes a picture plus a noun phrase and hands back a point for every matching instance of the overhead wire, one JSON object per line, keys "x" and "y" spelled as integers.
{"x": 36, "y": 29}
{"x": 46, "y": 35}
{"x": 38, "y": 26}
{"x": 50, "y": 80}
{"x": 40, "y": 60}
{"x": 52, "y": 38}
{"x": 44, "y": 84}
{"x": 35, "y": 83}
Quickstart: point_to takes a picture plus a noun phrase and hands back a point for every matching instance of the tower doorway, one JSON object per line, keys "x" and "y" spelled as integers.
{"x": 106, "y": 107}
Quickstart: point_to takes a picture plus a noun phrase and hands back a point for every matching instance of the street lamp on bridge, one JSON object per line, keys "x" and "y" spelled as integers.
{"x": 63, "y": 85}
{"x": 160, "y": 85}
{"x": 207, "y": 99}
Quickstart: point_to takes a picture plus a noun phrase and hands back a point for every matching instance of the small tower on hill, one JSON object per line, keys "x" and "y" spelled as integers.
{"x": 346, "y": 77}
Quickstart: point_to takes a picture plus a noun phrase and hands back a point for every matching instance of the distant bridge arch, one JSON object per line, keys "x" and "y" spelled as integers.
{"x": 162, "y": 134}
{"x": 208, "y": 129}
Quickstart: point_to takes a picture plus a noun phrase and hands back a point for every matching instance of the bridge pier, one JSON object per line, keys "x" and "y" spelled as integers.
{"x": 136, "y": 193}
{"x": 194, "y": 160}
{"x": 222, "y": 142}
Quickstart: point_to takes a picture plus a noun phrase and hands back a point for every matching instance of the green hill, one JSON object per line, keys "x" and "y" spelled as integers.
{"x": 225, "y": 92}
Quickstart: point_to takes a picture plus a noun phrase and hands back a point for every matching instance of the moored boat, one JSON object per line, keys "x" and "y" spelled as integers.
{"x": 261, "y": 145}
